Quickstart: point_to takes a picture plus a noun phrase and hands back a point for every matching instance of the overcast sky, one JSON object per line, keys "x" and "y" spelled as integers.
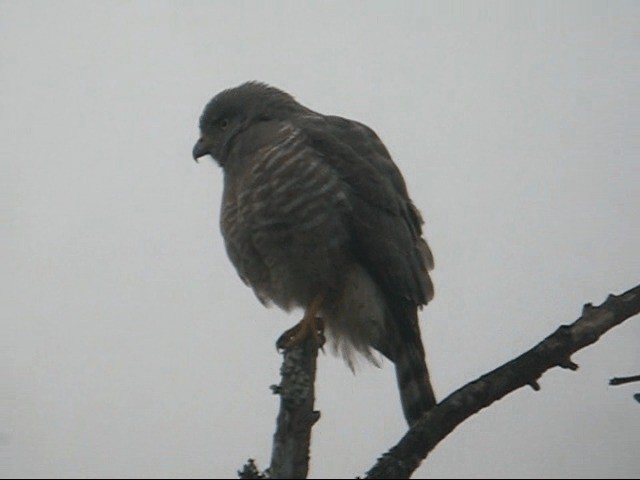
{"x": 131, "y": 348}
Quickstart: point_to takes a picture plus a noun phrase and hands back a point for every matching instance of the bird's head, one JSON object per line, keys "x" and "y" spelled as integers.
{"x": 232, "y": 111}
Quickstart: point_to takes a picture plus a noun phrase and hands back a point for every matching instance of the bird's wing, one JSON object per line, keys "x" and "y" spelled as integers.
{"x": 386, "y": 227}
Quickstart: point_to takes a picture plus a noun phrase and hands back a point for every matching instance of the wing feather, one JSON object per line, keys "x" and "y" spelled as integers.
{"x": 387, "y": 228}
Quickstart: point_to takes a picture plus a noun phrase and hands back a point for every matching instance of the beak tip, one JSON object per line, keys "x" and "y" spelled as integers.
{"x": 199, "y": 150}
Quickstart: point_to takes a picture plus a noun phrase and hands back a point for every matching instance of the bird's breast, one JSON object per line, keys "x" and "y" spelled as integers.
{"x": 284, "y": 220}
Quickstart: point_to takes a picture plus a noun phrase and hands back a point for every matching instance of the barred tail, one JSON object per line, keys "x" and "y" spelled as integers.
{"x": 416, "y": 393}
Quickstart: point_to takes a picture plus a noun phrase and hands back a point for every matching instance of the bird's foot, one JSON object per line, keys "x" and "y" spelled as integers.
{"x": 311, "y": 326}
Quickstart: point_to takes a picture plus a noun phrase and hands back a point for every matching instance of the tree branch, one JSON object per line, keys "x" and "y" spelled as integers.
{"x": 290, "y": 454}
{"x": 556, "y": 350}
{"x": 623, "y": 380}
{"x": 250, "y": 471}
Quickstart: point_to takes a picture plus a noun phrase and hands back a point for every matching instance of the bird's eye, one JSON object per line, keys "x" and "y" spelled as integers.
{"x": 223, "y": 123}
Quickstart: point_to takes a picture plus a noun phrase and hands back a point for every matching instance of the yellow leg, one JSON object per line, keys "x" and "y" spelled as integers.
{"x": 310, "y": 325}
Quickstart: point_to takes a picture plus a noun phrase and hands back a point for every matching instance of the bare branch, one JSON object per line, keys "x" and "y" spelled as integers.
{"x": 623, "y": 380}
{"x": 290, "y": 455}
{"x": 250, "y": 471}
{"x": 556, "y": 350}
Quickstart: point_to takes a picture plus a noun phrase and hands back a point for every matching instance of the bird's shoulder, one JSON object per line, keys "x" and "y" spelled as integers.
{"x": 359, "y": 155}
{"x": 356, "y": 154}
{"x": 365, "y": 142}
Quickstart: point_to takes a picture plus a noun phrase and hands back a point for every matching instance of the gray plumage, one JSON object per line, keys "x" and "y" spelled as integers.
{"x": 312, "y": 205}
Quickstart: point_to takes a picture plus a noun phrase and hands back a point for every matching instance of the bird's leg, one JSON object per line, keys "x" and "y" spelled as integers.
{"x": 310, "y": 325}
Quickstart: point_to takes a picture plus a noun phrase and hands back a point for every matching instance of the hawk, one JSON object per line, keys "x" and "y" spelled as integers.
{"x": 315, "y": 214}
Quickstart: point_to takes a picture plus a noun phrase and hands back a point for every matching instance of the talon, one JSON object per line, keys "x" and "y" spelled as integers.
{"x": 311, "y": 325}
{"x": 304, "y": 329}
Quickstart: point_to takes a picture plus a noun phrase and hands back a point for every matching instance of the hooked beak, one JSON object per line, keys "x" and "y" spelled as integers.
{"x": 200, "y": 149}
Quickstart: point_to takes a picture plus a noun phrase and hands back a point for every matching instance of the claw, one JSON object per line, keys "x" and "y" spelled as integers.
{"x": 304, "y": 329}
{"x": 311, "y": 325}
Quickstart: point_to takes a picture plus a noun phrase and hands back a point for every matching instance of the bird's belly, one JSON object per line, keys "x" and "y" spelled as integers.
{"x": 288, "y": 248}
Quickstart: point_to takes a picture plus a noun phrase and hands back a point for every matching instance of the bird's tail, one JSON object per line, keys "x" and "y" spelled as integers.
{"x": 416, "y": 393}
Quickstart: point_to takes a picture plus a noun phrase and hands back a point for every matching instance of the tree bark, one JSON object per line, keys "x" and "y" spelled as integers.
{"x": 291, "y": 441}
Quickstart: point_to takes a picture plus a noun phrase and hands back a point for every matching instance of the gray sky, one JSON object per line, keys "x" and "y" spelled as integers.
{"x": 131, "y": 348}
